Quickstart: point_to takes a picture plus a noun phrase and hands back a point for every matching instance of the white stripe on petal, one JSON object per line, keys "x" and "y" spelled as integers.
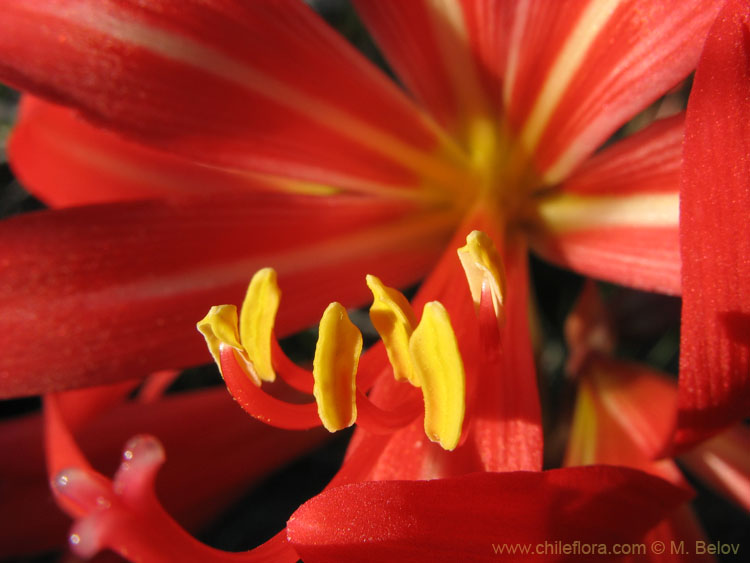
{"x": 590, "y": 23}
{"x": 573, "y": 213}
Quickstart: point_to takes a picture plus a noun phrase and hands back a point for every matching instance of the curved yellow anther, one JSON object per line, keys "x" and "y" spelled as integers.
{"x": 257, "y": 318}
{"x": 335, "y": 368}
{"x": 483, "y": 266}
{"x": 437, "y": 361}
{"x": 394, "y": 319}
{"x": 219, "y": 328}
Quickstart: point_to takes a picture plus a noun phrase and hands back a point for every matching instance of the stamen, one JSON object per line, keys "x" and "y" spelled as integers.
{"x": 483, "y": 266}
{"x": 394, "y": 319}
{"x": 437, "y": 361}
{"x": 489, "y": 333}
{"x": 335, "y": 368}
{"x": 219, "y": 328}
{"x": 296, "y": 377}
{"x": 426, "y": 356}
{"x": 380, "y": 421}
{"x": 259, "y": 404}
{"x": 125, "y": 516}
{"x": 246, "y": 351}
{"x": 257, "y": 318}
{"x": 250, "y": 335}
{"x": 486, "y": 276}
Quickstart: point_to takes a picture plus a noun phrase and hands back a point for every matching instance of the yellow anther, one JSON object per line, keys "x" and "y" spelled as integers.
{"x": 335, "y": 367}
{"x": 251, "y": 334}
{"x": 437, "y": 361}
{"x": 425, "y": 354}
{"x": 394, "y": 319}
{"x": 257, "y": 318}
{"x": 483, "y": 266}
{"x": 219, "y": 328}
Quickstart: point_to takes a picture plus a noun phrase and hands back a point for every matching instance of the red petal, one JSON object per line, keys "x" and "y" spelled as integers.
{"x": 467, "y": 518}
{"x": 640, "y": 400}
{"x": 261, "y": 86}
{"x": 438, "y": 51}
{"x": 715, "y": 234}
{"x": 644, "y": 258}
{"x": 678, "y": 535}
{"x": 577, "y": 72}
{"x": 624, "y": 415}
{"x": 723, "y": 463}
{"x": 109, "y": 292}
{"x": 84, "y": 164}
{"x": 617, "y": 217}
{"x": 645, "y": 162}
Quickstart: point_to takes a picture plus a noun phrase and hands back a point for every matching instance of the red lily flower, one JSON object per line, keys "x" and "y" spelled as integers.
{"x": 231, "y": 97}
{"x": 331, "y": 178}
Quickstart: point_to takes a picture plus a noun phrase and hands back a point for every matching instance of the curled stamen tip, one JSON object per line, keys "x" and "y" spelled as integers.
{"x": 484, "y": 267}
{"x": 142, "y": 457}
{"x": 82, "y": 487}
{"x": 394, "y": 319}
{"x": 220, "y": 328}
{"x": 392, "y": 300}
{"x": 144, "y": 449}
{"x": 86, "y": 536}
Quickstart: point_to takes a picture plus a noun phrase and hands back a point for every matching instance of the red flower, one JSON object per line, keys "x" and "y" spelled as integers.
{"x": 322, "y": 168}
{"x": 229, "y": 99}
